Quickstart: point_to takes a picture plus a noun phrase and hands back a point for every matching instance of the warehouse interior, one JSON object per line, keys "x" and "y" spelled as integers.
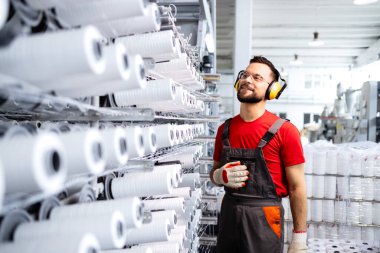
{"x": 109, "y": 111}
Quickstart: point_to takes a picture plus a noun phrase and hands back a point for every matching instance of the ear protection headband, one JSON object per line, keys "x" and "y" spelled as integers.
{"x": 274, "y": 90}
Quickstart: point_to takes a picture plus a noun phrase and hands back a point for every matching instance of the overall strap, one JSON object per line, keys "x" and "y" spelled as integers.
{"x": 226, "y": 132}
{"x": 271, "y": 132}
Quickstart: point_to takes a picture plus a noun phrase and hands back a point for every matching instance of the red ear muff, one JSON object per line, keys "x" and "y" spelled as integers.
{"x": 275, "y": 89}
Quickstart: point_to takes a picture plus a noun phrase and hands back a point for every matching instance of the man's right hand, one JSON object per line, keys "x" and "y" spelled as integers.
{"x": 232, "y": 175}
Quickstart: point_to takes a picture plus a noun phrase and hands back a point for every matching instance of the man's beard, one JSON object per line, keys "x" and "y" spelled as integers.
{"x": 252, "y": 99}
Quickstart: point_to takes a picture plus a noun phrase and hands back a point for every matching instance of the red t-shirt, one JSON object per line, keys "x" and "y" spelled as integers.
{"x": 285, "y": 148}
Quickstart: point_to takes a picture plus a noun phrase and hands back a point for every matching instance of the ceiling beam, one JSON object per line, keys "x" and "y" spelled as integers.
{"x": 370, "y": 55}
{"x": 291, "y": 42}
{"x": 317, "y": 52}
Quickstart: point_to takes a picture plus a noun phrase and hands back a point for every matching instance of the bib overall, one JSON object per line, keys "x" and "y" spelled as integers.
{"x": 251, "y": 218}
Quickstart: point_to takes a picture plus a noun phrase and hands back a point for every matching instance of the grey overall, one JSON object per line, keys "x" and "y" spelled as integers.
{"x": 251, "y": 218}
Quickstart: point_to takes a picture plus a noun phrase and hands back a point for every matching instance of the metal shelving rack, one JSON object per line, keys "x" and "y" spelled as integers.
{"x": 20, "y": 101}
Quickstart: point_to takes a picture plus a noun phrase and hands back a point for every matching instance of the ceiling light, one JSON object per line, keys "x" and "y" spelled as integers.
{"x": 364, "y": 2}
{"x": 296, "y": 61}
{"x": 316, "y": 42}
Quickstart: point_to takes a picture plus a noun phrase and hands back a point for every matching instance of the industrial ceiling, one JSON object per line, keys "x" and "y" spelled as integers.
{"x": 283, "y": 28}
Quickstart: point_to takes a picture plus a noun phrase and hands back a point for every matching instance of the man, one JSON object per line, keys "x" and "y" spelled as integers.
{"x": 258, "y": 158}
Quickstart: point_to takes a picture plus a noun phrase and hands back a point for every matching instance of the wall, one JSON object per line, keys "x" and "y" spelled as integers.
{"x": 296, "y": 99}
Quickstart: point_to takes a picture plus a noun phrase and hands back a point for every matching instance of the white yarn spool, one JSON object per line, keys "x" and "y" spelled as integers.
{"x": 340, "y": 211}
{"x": 74, "y": 52}
{"x": 330, "y": 187}
{"x": 149, "y": 22}
{"x": 184, "y": 192}
{"x": 356, "y": 162}
{"x": 76, "y": 244}
{"x": 376, "y": 171}
{"x": 141, "y": 184}
{"x": 368, "y": 235}
{"x": 14, "y": 131}
{"x": 180, "y": 229}
{"x": 155, "y": 231}
{"x": 351, "y": 249}
{"x": 320, "y": 231}
{"x": 310, "y": 232}
{"x": 174, "y": 169}
{"x": 150, "y": 44}
{"x": 4, "y": 8}
{"x": 316, "y": 210}
{"x": 331, "y": 161}
{"x": 309, "y": 185}
{"x": 116, "y": 146}
{"x": 319, "y": 161}
{"x": 59, "y": 127}
{"x": 181, "y": 95}
{"x": 165, "y": 135}
{"x": 369, "y": 165}
{"x": 178, "y": 238}
{"x": 135, "y": 141}
{"x": 367, "y": 188}
{"x": 85, "y": 151}
{"x": 355, "y": 187}
{"x": 332, "y": 231}
{"x": 315, "y": 241}
{"x": 137, "y": 249}
{"x": 174, "y": 67}
{"x": 136, "y": 78}
{"x": 318, "y": 186}
{"x": 150, "y": 139}
{"x": 176, "y": 204}
{"x": 316, "y": 248}
{"x": 344, "y": 158}
{"x": 85, "y": 13}
{"x": 161, "y": 247}
{"x": 187, "y": 159}
{"x": 201, "y": 105}
{"x": 33, "y": 164}
{"x": 342, "y": 187}
{"x": 169, "y": 215}
{"x": 334, "y": 249}
{"x": 328, "y": 211}
{"x": 308, "y": 210}
{"x": 131, "y": 208}
{"x": 47, "y": 4}
{"x": 353, "y": 212}
{"x": 376, "y": 214}
{"x": 366, "y": 213}
{"x": 114, "y": 78}
{"x": 376, "y": 189}
{"x": 289, "y": 231}
{"x": 109, "y": 229}
{"x": 191, "y": 180}
{"x": 156, "y": 91}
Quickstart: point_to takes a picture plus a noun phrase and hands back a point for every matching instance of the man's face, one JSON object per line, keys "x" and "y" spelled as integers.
{"x": 254, "y": 83}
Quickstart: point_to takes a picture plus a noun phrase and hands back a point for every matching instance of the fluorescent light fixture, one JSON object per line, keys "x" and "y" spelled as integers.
{"x": 210, "y": 43}
{"x": 316, "y": 42}
{"x": 296, "y": 61}
{"x": 364, "y": 2}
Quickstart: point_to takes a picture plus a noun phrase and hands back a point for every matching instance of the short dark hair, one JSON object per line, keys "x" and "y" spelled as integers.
{"x": 263, "y": 60}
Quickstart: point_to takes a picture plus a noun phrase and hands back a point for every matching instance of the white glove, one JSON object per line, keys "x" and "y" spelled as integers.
{"x": 298, "y": 243}
{"x": 232, "y": 175}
